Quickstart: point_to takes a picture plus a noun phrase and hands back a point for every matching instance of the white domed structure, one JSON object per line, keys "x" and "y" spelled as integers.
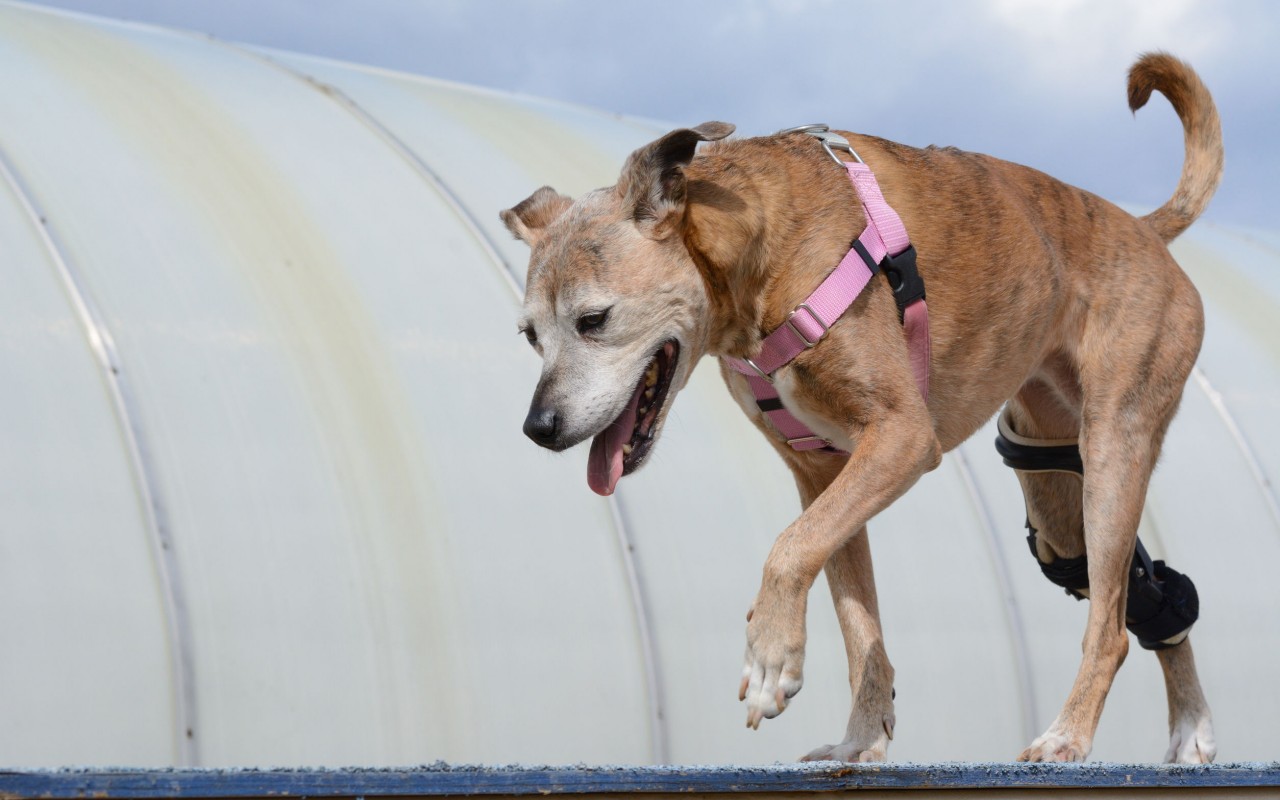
{"x": 264, "y": 497}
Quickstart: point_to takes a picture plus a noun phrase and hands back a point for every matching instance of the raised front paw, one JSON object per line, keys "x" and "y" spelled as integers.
{"x": 1056, "y": 746}
{"x": 773, "y": 671}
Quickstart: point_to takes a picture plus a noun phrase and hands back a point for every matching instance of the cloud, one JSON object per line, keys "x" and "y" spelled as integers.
{"x": 1072, "y": 45}
{"x": 1036, "y": 81}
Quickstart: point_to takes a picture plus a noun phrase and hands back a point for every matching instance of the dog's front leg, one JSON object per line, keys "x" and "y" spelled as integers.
{"x": 890, "y": 455}
{"x": 871, "y": 720}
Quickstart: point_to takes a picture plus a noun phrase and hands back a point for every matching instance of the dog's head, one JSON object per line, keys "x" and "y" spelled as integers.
{"x": 615, "y": 306}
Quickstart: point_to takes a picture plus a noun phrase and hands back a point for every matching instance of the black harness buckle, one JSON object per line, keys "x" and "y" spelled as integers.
{"x": 904, "y": 278}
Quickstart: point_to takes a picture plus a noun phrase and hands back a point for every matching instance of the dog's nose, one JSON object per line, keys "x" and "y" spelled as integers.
{"x": 542, "y": 425}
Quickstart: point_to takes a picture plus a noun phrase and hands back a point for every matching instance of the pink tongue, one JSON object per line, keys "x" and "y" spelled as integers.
{"x": 604, "y": 465}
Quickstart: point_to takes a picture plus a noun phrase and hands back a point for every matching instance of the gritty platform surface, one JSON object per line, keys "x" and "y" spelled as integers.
{"x": 456, "y": 780}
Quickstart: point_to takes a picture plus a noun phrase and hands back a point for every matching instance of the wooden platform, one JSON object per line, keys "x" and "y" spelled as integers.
{"x": 951, "y": 780}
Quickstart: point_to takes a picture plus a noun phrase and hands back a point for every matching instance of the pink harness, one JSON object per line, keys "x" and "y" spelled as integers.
{"x": 882, "y": 246}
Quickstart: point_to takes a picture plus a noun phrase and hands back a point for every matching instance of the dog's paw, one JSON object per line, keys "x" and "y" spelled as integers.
{"x": 1191, "y": 742}
{"x": 849, "y": 752}
{"x": 855, "y": 752}
{"x": 867, "y": 738}
{"x": 773, "y": 669}
{"x": 768, "y": 684}
{"x": 1057, "y": 747}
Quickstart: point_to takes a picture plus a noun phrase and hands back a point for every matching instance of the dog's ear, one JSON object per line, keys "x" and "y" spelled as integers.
{"x": 529, "y": 219}
{"x": 653, "y": 183}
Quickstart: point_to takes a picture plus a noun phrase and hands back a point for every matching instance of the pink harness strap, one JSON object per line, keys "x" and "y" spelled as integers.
{"x": 885, "y": 224}
{"x": 884, "y": 238}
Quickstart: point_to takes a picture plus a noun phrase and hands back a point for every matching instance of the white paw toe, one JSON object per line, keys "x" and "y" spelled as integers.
{"x": 1191, "y": 742}
{"x": 1055, "y": 747}
{"x": 848, "y": 752}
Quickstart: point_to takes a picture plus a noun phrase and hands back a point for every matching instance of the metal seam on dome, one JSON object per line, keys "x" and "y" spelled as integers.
{"x": 658, "y": 739}
{"x": 401, "y": 149}
{"x": 182, "y": 661}
{"x": 1251, "y": 459}
{"x": 1012, "y": 612}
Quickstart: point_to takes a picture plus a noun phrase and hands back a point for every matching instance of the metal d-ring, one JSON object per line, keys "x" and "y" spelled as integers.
{"x": 834, "y": 141}
{"x": 830, "y": 141}
{"x": 809, "y": 129}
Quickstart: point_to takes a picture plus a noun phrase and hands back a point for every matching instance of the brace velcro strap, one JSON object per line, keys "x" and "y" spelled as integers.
{"x": 1037, "y": 458}
{"x": 1161, "y": 605}
{"x": 1071, "y": 574}
{"x": 1162, "y": 610}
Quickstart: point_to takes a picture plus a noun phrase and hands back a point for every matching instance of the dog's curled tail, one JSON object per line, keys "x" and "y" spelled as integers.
{"x": 1202, "y": 169}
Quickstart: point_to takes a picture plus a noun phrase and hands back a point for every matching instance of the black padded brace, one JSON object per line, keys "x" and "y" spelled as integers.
{"x": 1071, "y": 574}
{"x": 1050, "y": 458}
{"x": 1162, "y": 602}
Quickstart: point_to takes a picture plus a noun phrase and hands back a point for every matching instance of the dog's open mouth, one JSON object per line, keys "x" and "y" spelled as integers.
{"x": 620, "y": 448}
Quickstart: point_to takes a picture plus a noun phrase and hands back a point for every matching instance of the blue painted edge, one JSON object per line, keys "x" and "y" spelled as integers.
{"x": 444, "y": 780}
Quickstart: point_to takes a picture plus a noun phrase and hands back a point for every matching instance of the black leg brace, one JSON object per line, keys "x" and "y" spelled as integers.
{"x": 1162, "y": 602}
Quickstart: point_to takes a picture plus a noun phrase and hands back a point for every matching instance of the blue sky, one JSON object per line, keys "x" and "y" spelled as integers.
{"x": 1041, "y": 82}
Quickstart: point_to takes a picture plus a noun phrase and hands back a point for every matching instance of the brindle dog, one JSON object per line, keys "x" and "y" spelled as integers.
{"x": 1044, "y": 298}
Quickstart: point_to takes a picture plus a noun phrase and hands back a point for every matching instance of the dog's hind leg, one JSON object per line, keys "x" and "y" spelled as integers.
{"x": 1046, "y": 430}
{"x": 1132, "y": 369}
{"x": 1118, "y": 461}
{"x": 1190, "y": 722}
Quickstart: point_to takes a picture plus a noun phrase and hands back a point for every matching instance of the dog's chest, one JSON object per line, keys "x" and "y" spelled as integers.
{"x": 795, "y": 404}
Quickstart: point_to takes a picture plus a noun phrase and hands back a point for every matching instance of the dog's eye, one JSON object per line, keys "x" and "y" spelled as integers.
{"x": 530, "y": 334}
{"x": 592, "y": 321}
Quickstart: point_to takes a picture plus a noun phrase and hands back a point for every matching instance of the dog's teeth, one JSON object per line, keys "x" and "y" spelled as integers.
{"x": 648, "y": 393}
{"x": 626, "y": 449}
{"x": 651, "y": 377}
{"x": 642, "y": 411}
